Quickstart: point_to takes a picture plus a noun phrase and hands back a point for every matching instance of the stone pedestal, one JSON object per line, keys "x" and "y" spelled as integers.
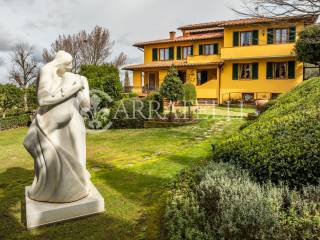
{"x": 42, "y": 213}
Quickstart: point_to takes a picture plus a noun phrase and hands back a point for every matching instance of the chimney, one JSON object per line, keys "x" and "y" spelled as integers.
{"x": 172, "y": 35}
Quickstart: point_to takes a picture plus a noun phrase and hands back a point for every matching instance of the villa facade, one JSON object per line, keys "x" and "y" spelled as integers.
{"x": 244, "y": 59}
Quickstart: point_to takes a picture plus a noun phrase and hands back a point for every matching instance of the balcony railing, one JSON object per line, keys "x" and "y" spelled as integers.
{"x": 247, "y": 97}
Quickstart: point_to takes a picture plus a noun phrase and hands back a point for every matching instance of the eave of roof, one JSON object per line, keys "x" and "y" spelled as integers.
{"x": 168, "y": 64}
{"x": 182, "y": 39}
{"x": 228, "y": 23}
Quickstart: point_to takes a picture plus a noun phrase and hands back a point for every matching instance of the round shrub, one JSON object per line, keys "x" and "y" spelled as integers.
{"x": 218, "y": 201}
{"x": 282, "y": 144}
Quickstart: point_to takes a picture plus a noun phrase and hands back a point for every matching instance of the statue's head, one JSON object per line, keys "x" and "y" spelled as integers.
{"x": 63, "y": 62}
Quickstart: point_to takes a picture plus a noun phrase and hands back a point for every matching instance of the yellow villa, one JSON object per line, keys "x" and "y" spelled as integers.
{"x": 244, "y": 59}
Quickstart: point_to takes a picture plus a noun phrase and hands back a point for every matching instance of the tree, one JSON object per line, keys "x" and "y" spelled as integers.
{"x": 274, "y": 8}
{"x": 23, "y": 68}
{"x": 120, "y": 60}
{"x": 172, "y": 87}
{"x": 307, "y": 47}
{"x": 189, "y": 95}
{"x": 104, "y": 78}
{"x": 10, "y": 96}
{"x": 86, "y": 48}
{"x": 126, "y": 83}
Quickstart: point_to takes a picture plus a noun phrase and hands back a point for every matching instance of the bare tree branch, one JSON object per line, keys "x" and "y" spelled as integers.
{"x": 120, "y": 60}
{"x": 275, "y": 8}
{"x": 24, "y": 69}
{"x": 86, "y": 48}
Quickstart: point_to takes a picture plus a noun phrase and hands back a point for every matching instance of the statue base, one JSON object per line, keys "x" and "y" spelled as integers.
{"x": 43, "y": 213}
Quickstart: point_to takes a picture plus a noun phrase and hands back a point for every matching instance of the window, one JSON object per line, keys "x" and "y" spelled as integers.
{"x": 280, "y": 70}
{"x": 245, "y": 38}
{"x": 182, "y": 76}
{"x": 186, "y": 51}
{"x": 281, "y": 35}
{"x": 164, "y": 54}
{"x": 245, "y": 71}
{"x": 202, "y": 77}
{"x": 210, "y": 49}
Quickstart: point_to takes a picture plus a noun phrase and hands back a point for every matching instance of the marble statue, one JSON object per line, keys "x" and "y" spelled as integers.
{"x": 56, "y": 138}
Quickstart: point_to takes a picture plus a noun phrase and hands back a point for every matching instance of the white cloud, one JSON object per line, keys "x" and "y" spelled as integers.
{"x": 39, "y": 22}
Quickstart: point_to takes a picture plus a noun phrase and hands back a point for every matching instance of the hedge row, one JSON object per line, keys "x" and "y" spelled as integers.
{"x": 15, "y": 121}
{"x": 134, "y": 112}
{"x": 282, "y": 144}
{"x": 219, "y": 201}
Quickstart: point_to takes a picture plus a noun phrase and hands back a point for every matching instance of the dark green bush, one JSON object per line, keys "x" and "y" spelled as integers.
{"x": 15, "y": 121}
{"x": 282, "y": 144}
{"x": 157, "y": 100}
{"x": 131, "y": 113}
{"x": 219, "y": 201}
{"x": 104, "y": 78}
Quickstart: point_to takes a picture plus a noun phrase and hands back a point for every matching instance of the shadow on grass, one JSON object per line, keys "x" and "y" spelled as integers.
{"x": 12, "y": 184}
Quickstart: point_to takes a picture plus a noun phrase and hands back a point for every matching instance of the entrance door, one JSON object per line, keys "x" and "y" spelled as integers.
{"x": 152, "y": 81}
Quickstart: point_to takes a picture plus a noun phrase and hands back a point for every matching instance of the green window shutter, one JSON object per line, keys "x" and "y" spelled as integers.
{"x": 171, "y": 53}
{"x": 291, "y": 69}
{"x": 216, "y": 48}
{"x": 270, "y": 36}
{"x": 192, "y": 50}
{"x": 200, "y": 49}
{"x": 235, "y": 39}
{"x": 292, "y": 34}
{"x": 255, "y": 37}
{"x": 178, "y": 53}
{"x": 269, "y": 70}
{"x": 255, "y": 70}
{"x": 154, "y": 54}
{"x": 235, "y": 68}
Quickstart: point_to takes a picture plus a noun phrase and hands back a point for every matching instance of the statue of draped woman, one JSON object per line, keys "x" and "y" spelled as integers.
{"x": 57, "y": 138}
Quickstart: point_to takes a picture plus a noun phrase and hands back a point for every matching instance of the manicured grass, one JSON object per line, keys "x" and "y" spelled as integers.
{"x": 131, "y": 168}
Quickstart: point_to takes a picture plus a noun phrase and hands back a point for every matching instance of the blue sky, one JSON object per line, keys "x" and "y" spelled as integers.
{"x": 39, "y": 22}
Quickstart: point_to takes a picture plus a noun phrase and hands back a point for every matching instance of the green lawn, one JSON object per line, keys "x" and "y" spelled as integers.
{"x": 131, "y": 168}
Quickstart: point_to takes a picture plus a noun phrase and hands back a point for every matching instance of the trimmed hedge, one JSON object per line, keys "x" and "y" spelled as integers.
{"x": 15, "y": 121}
{"x": 282, "y": 144}
{"x": 218, "y": 201}
{"x": 126, "y": 113}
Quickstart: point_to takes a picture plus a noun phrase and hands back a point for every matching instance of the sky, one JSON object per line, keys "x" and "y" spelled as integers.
{"x": 39, "y": 22}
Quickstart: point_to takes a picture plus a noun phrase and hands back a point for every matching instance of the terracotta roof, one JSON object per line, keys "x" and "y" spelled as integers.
{"x": 245, "y": 21}
{"x": 167, "y": 64}
{"x": 182, "y": 39}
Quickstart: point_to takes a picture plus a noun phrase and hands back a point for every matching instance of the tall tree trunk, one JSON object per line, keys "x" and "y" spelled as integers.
{"x": 25, "y": 100}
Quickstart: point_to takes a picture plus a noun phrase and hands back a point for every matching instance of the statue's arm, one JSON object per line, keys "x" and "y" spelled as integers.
{"x": 47, "y": 97}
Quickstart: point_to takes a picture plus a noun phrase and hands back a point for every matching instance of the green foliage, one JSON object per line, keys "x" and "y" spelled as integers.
{"x": 15, "y": 121}
{"x": 157, "y": 100}
{"x": 129, "y": 95}
{"x": 190, "y": 94}
{"x": 218, "y": 201}
{"x": 307, "y": 47}
{"x": 282, "y": 144}
{"x": 32, "y": 97}
{"x": 10, "y": 96}
{"x": 104, "y": 78}
{"x": 131, "y": 113}
{"x": 172, "y": 86}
